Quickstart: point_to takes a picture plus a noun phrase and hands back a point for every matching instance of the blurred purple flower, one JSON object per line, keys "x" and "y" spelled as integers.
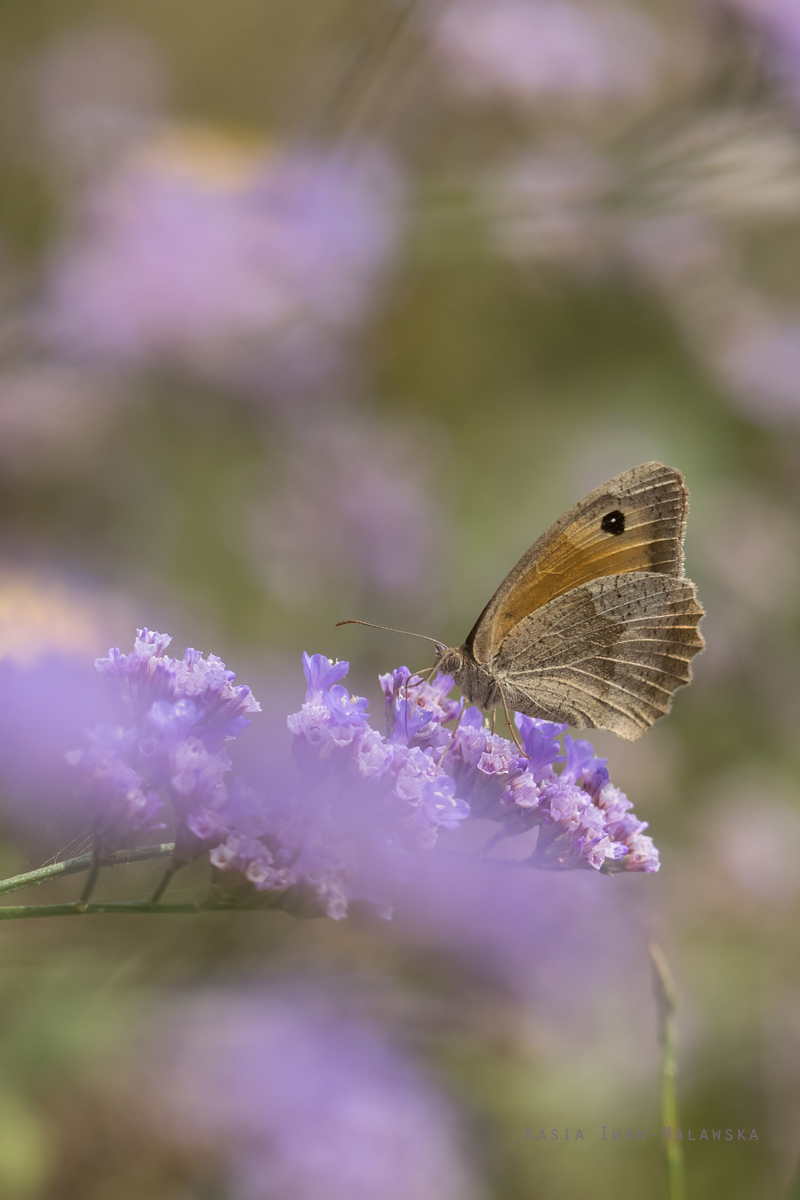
{"x": 751, "y": 548}
{"x": 177, "y": 714}
{"x": 760, "y": 363}
{"x": 45, "y": 707}
{"x": 357, "y": 511}
{"x": 559, "y": 942}
{"x": 303, "y": 1103}
{"x": 534, "y": 50}
{"x": 779, "y": 22}
{"x": 196, "y": 249}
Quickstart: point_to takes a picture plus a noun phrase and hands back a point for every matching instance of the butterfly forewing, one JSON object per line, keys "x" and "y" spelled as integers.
{"x": 633, "y": 523}
{"x": 607, "y": 654}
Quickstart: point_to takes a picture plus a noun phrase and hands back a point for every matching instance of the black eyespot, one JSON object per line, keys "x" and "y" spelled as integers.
{"x": 613, "y": 522}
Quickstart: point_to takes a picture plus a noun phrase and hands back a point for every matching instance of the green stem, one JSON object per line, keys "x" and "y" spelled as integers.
{"x": 164, "y": 884}
{"x": 80, "y": 909}
{"x": 84, "y": 862}
{"x": 91, "y": 879}
{"x": 667, "y": 1001}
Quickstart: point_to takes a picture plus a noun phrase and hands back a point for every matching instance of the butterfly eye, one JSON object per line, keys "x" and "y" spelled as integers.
{"x": 613, "y": 522}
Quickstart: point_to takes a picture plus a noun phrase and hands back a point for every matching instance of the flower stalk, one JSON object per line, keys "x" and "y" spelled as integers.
{"x": 667, "y": 1005}
{"x": 83, "y": 862}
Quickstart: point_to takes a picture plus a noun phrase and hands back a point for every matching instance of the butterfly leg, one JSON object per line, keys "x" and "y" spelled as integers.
{"x": 511, "y": 727}
{"x": 405, "y": 707}
{"x": 494, "y": 714}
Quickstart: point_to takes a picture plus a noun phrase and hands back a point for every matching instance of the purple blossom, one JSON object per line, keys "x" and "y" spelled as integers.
{"x": 419, "y": 777}
{"x": 583, "y": 820}
{"x": 345, "y": 822}
{"x": 779, "y": 23}
{"x": 303, "y": 1101}
{"x": 531, "y": 50}
{"x": 440, "y": 804}
{"x": 200, "y": 690}
{"x": 540, "y": 740}
{"x": 180, "y": 712}
{"x": 45, "y": 706}
{"x": 355, "y": 508}
{"x": 321, "y": 673}
{"x": 196, "y": 249}
{"x": 121, "y": 807}
{"x": 580, "y": 760}
{"x": 760, "y": 364}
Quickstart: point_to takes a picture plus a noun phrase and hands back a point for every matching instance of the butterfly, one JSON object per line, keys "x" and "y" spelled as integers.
{"x": 596, "y": 625}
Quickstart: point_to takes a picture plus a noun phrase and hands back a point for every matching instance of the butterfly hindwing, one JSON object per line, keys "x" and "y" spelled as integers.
{"x": 633, "y": 523}
{"x": 606, "y": 655}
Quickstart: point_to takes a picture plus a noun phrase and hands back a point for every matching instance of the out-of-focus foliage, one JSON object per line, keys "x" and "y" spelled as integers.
{"x": 325, "y": 310}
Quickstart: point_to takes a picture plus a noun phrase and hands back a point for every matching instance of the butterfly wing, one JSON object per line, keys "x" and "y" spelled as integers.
{"x": 635, "y": 522}
{"x": 606, "y": 655}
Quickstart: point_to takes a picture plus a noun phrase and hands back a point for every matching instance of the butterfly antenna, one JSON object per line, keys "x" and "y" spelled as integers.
{"x": 388, "y": 629}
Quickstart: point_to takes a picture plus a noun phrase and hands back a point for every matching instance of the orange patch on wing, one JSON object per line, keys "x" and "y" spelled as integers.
{"x": 582, "y": 553}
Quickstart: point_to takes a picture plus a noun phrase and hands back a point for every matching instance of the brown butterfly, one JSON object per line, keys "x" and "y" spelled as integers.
{"x": 596, "y": 625}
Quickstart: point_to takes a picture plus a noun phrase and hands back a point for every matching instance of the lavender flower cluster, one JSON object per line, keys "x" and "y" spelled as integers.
{"x": 344, "y": 824}
{"x": 430, "y": 777}
{"x": 179, "y": 712}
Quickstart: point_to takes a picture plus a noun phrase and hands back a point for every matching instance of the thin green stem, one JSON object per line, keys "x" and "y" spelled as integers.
{"x": 794, "y": 1187}
{"x": 164, "y": 884}
{"x": 667, "y": 1002}
{"x": 84, "y": 862}
{"x": 80, "y": 909}
{"x": 91, "y": 879}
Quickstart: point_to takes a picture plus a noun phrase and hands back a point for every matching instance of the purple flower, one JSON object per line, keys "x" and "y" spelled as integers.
{"x": 354, "y": 509}
{"x": 346, "y": 709}
{"x": 779, "y": 22}
{"x": 422, "y": 777}
{"x": 760, "y": 364}
{"x": 285, "y": 850}
{"x": 581, "y": 762}
{"x": 180, "y": 712}
{"x": 415, "y": 708}
{"x": 540, "y": 739}
{"x": 173, "y": 721}
{"x": 441, "y": 805}
{"x": 321, "y": 673}
{"x": 303, "y": 1101}
{"x": 121, "y": 808}
{"x": 532, "y": 50}
{"x": 198, "y": 250}
{"x": 346, "y": 821}
{"x": 149, "y": 679}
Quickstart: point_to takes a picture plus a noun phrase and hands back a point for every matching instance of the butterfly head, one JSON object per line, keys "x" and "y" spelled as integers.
{"x": 449, "y": 661}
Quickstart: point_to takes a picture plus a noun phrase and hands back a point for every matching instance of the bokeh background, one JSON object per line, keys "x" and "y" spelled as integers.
{"x": 322, "y": 310}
